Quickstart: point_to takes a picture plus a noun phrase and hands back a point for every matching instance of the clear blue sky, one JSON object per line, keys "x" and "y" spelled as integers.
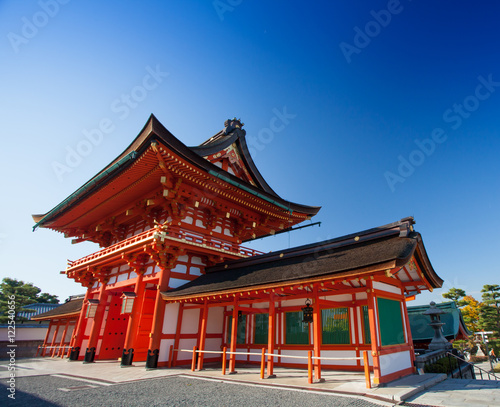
{"x": 363, "y": 87}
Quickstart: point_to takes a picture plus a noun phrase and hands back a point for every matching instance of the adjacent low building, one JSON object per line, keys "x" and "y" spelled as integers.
{"x": 454, "y": 327}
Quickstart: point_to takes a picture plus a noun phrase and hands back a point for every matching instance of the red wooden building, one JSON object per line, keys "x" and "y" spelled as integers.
{"x": 172, "y": 271}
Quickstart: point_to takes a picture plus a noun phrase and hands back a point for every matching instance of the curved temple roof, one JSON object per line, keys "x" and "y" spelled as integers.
{"x": 155, "y": 131}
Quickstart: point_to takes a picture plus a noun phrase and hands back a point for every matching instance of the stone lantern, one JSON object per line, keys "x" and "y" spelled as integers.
{"x": 439, "y": 342}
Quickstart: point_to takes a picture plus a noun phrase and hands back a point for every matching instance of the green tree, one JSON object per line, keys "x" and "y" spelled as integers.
{"x": 489, "y": 316}
{"x": 46, "y": 298}
{"x": 15, "y": 294}
{"x": 455, "y": 294}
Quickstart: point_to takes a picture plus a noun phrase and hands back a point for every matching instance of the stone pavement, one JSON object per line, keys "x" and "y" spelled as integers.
{"x": 462, "y": 392}
{"x": 427, "y": 389}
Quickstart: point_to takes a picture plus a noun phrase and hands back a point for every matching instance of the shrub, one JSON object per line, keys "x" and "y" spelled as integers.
{"x": 441, "y": 366}
{"x": 478, "y": 359}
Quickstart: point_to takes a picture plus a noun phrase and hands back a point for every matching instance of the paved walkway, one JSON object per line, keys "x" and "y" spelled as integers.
{"x": 427, "y": 389}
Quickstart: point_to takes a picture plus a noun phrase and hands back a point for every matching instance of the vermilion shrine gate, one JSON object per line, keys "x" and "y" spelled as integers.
{"x": 172, "y": 272}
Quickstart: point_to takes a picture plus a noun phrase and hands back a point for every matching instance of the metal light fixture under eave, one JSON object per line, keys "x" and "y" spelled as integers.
{"x": 128, "y": 298}
{"x": 308, "y": 312}
{"x": 91, "y": 308}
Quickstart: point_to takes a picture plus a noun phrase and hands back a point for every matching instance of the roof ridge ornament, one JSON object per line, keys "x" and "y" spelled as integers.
{"x": 232, "y": 124}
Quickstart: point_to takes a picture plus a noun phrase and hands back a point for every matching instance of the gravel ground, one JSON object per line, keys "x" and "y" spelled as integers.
{"x": 171, "y": 391}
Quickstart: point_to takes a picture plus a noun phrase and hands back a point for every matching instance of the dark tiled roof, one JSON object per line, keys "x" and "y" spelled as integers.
{"x": 453, "y": 322}
{"x": 322, "y": 259}
{"x": 70, "y": 308}
{"x": 31, "y": 310}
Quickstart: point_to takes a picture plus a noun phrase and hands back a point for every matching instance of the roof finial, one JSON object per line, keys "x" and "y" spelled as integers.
{"x": 232, "y": 124}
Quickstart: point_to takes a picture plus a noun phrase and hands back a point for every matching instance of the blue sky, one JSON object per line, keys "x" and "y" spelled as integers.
{"x": 360, "y": 90}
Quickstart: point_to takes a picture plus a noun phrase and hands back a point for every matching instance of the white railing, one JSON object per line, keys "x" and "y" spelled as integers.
{"x": 265, "y": 354}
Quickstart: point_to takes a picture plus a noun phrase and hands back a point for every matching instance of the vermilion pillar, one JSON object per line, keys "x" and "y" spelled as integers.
{"x": 96, "y": 324}
{"x": 53, "y": 343}
{"x": 373, "y": 331}
{"x": 234, "y": 332}
{"x": 317, "y": 334}
{"x": 203, "y": 333}
{"x": 271, "y": 335}
{"x": 77, "y": 337}
{"x": 178, "y": 332}
{"x": 51, "y": 324}
{"x": 133, "y": 323}
{"x": 63, "y": 338}
{"x": 157, "y": 326}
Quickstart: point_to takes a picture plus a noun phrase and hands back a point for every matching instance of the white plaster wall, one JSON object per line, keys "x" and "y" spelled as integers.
{"x": 25, "y": 334}
{"x": 197, "y": 260}
{"x": 257, "y": 358}
{"x": 353, "y": 322}
{"x": 186, "y": 344}
{"x": 51, "y": 333}
{"x": 212, "y": 344}
{"x": 170, "y": 318}
{"x": 176, "y": 282}
{"x": 60, "y": 333}
{"x": 360, "y": 323}
{"x": 386, "y": 287}
{"x": 165, "y": 349}
{"x": 69, "y": 334}
{"x": 180, "y": 268}
{"x": 291, "y": 303}
{"x": 376, "y": 319}
{"x": 88, "y": 326}
{"x": 340, "y": 297}
{"x": 361, "y": 296}
{"x": 394, "y": 362}
{"x": 85, "y": 342}
{"x": 190, "y": 320}
{"x": 195, "y": 271}
{"x": 339, "y": 354}
{"x": 261, "y": 305}
{"x": 241, "y": 357}
{"x": 215, "y": 320}
{"x": 294, "y": 353}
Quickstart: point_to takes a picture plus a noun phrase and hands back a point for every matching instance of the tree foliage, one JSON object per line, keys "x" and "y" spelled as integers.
{"x": 21, "y": 294}
{"x": 470, "y": 311}
{"x": 489, "y": 316}
{"x": 455, "y": 294}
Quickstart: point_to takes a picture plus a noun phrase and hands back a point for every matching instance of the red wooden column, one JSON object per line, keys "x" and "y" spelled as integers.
{"x": 271, "y": 336}
{"x": 135, "y": 315}
{"x": 96, "y": 324}
{"x": 53, "y": 344}
{"x": 316, "y": 333}
{"x": 157, "y": 326}
{"x": 77, "y": 337}
{"x": 374, "y": 327}
{"x": 63, "y": 337}
{"x": 203, "y": 333}
{"x": 46, "y": 338}
{"x": 178, "y": 332}
{"x": 234, "y": 332}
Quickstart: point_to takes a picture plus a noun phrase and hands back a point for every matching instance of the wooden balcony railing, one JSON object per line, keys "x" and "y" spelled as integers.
{"x": 161, "y": 233}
